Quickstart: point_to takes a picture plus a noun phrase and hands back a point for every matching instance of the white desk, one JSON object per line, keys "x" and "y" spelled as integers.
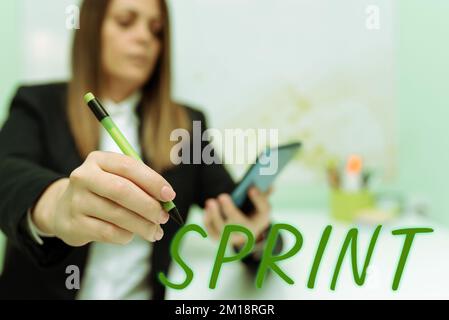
{"x": 426, "y": 274}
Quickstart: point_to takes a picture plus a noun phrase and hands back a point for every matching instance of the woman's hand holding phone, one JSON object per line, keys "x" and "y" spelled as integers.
{"x": 109, "y": 198}
{"x": 222, "y": 211}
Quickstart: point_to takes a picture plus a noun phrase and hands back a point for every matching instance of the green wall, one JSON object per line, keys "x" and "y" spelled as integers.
{"x": 422, "y": 61}
{"x": 423, "y": 96}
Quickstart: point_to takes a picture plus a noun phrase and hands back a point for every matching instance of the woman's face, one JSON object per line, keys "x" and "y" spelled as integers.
{"x": 131, "y": 40}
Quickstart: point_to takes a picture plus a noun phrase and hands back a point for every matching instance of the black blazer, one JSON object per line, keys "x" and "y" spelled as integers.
{"x": 37, "y": 148}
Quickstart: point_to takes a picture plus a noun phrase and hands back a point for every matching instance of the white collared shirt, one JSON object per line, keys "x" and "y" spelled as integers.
{"x": 115, "y": 271}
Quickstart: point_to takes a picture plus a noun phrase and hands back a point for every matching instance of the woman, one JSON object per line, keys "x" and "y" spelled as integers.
{"x": 65, "y": 204}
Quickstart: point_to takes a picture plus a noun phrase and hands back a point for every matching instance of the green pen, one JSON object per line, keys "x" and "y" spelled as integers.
{"x": 102, "y": 115}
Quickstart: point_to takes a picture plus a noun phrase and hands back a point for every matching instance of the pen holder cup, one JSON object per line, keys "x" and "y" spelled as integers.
{"x": 346, "y": 206}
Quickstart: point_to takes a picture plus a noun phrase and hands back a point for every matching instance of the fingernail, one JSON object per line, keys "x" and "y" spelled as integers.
{"x": 167, "y": 193}
{"x": 163, "y": 217}
{"x": 159, "y": 234}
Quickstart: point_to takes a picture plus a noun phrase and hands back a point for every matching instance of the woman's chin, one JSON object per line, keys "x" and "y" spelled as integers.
{"x": 137, "y": 77}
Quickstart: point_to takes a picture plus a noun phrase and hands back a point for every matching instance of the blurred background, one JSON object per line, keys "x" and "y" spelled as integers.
{"x": 317, "y": 71}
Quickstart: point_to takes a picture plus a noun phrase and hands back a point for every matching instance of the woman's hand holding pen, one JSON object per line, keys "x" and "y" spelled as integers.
{"x": 222, "y": 211}
{"x": 109, "y": 198}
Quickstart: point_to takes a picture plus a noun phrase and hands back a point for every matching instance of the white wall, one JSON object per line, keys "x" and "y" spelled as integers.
{"x": 308, "y": 68}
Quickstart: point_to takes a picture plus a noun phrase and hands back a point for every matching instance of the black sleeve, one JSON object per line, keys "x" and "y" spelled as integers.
{"x": 215, "y": 179}
{"x": 23, "y": 178}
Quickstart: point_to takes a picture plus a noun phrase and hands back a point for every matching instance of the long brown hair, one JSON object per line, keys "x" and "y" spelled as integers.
{"x": 159, "y": 114}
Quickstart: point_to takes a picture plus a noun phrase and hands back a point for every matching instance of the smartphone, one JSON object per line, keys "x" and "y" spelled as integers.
{"x": 262, "y": 173}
